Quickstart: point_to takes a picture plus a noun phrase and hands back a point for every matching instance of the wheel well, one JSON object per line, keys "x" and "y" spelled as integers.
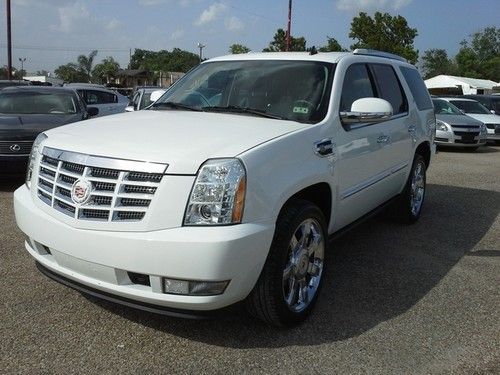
{"x": 318, "y": 194}
{"x": 424, "y": 149}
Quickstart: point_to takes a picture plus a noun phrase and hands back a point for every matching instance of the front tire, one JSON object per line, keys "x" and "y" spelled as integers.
{"x": 290, "y": 281}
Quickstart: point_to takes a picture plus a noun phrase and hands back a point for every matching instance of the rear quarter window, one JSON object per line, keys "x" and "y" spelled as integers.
{"x": 417, "y": 88}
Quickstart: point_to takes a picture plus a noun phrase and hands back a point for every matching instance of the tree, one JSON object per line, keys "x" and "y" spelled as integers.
{"x": 106, "y": 70}
{"x": 70, "y": 73}
{"x": 85, "y": 64}
{"x": 238, "y": 48}
{"x": 480, "y": 57}
{"x": 279, "y": 43}
{"x": 436, "y": 62}
{"x": 176, "y": 61}
{"x": 332, "y": 45}
{"x": 384, "y": 33}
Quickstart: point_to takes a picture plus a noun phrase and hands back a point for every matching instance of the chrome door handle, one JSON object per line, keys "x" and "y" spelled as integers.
{"x": 324, "y": 147}
{"x": 383, "y": 139}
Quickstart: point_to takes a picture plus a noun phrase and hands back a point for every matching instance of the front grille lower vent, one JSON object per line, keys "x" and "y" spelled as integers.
{"x": 116, "y": 193}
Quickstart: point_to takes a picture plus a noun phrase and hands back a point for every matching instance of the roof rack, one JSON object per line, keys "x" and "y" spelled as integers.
{"x": 374, "y": 52}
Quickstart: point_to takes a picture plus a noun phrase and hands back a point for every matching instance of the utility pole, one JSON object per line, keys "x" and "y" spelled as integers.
{"x": 288, "y": 36}
{"x": 201, "y": 46}
{"x": 9, "y": 43}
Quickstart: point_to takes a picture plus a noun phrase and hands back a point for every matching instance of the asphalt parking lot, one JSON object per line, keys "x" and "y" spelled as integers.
{"x": 416, "y": 300}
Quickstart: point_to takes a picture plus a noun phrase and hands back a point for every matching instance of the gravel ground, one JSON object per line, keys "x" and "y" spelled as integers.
{"x": 420, "y": 299}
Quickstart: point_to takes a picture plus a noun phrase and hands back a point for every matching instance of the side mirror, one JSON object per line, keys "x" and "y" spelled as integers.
{"x": 92, "y": 111}
{"x": 493, "y": 111}
{"x": 129, "y": 108}
{"x": 367, "y": 110}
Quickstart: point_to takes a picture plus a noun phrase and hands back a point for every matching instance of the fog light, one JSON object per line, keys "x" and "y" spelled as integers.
{"x": 194, "y": 288}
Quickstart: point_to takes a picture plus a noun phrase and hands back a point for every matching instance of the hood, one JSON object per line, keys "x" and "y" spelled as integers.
{"x": 486, "y": 118}
{"x": 27, "y": 127}
{"x": 458, "y": 119}
{"x": 182, "y": 139}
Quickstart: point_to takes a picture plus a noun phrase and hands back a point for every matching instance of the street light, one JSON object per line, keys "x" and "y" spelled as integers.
{"x": 201, "y": 46}
{"x": 22, "y": 59}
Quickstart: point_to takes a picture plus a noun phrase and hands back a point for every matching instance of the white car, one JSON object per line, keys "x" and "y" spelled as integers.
{"x": 108, "y": 102}
{"x": 479, "y": 112}
{"x": 229, "y": 187}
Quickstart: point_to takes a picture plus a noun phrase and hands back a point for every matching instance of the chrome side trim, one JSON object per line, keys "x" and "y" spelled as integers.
{"x": 371, "y": 181}
{"x": 104, "y": 161}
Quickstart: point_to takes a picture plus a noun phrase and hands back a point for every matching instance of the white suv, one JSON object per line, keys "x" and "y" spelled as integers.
{"x": 229, "y": 187}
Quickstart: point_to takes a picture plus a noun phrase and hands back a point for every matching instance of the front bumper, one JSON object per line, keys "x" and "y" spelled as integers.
{"x": 13, "y": 164}
{"x": 450, "y": 139}
{"x": 102, "y": 260}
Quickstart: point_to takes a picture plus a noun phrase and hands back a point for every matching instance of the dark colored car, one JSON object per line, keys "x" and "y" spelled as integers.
{"x": 492, "y": 102}
{"x": 27, "y": 111}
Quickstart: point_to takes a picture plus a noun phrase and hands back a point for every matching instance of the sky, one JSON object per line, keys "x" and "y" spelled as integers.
{"x": 49, "y": 33}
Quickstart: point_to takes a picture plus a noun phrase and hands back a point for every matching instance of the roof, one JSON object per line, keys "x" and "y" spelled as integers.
{"x": 131, "y": 72}
{"x": 39, "y": 89}
{"x": 443, "y": 81}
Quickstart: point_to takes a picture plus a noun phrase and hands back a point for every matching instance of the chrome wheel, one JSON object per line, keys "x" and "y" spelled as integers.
{"x": 304, "y": 268}
{"x": 417, "y": 189}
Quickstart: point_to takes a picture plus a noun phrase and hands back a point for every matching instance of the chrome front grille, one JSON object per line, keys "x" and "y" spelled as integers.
{"x": 120, "y": 190}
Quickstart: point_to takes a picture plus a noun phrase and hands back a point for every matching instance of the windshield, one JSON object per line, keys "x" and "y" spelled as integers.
{"x": 442, "y": 107}
{"x": 26, "y": 102}
{"x": 471, "y": 107}
{"x": 289, "y": 90}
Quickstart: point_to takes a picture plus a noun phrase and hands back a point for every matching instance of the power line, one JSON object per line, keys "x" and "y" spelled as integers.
{"x": 65, "y": 49}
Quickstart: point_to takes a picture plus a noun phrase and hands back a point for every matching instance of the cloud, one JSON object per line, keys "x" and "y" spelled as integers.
{"x": 211, "y": 14}
{"x": 113, "y": 24}
{"x": 369, "y": 5}
{"x": 176, "y": 35}
{"x": 234, "y": 24}
{"x": 70, "y": 16}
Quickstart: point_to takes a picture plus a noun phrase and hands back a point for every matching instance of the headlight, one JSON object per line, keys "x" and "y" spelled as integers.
{"x": 218, "y": 194}
{"x": 35, "y": 150}
{"x": 442, "y": 126}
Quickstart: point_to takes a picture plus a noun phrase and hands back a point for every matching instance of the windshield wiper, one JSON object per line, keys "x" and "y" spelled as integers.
{"x": 174, "y": 105}
{"x": 237, "y": 109}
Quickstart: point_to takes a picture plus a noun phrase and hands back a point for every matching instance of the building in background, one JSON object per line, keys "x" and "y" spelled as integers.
{"x": 451, "y": 85}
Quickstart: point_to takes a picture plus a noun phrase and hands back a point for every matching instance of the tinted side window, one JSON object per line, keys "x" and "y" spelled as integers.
{"x": 389, "y": 88}
{"x": 417, "y": 88}
{"x": 100, "y": 97}
{"x": 357, "y": 84}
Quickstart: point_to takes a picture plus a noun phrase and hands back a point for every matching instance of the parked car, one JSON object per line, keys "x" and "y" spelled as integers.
{"x": 492, "y": 102}
{"x": 229, "y": 187}
{"x": 107, "y": 101}
{"x": 455, "y": 129}
{"x": 478, "y": 111}
{"x": 142, "y": 98}
{"x": 28, "y": 111}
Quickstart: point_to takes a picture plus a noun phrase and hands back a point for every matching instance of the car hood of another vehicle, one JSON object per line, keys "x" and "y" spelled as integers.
{"x": 27, "y": 127}
{"x": 182, "y": 139}
{"x": 486, "y": 118}
{"x": 458, "y": 119}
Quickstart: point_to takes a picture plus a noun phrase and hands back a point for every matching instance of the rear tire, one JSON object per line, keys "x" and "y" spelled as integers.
{"x": 290, "y": 281}
{"x": 408, "y": 207}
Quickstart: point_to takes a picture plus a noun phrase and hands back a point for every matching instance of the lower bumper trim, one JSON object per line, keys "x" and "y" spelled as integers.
{"x": 176, "y": 313}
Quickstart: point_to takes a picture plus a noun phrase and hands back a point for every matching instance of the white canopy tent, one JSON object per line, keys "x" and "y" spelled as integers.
{"x": 444, "y": 84}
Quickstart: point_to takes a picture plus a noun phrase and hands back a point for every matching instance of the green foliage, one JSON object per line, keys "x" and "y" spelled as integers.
{"x": 106, "y": 70}
{"x": 480, "y": 56}
{"x": 279, "y": 43}
{"x": 238, "y": 48}
{"x": 384, "y": 33}
{"x": 436, "y": 62}
{"x": 176, "y": 61}
{"x": 70, "y": 73}
{"x": 332, "y": 45}
{"x": 85, "y": 64}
